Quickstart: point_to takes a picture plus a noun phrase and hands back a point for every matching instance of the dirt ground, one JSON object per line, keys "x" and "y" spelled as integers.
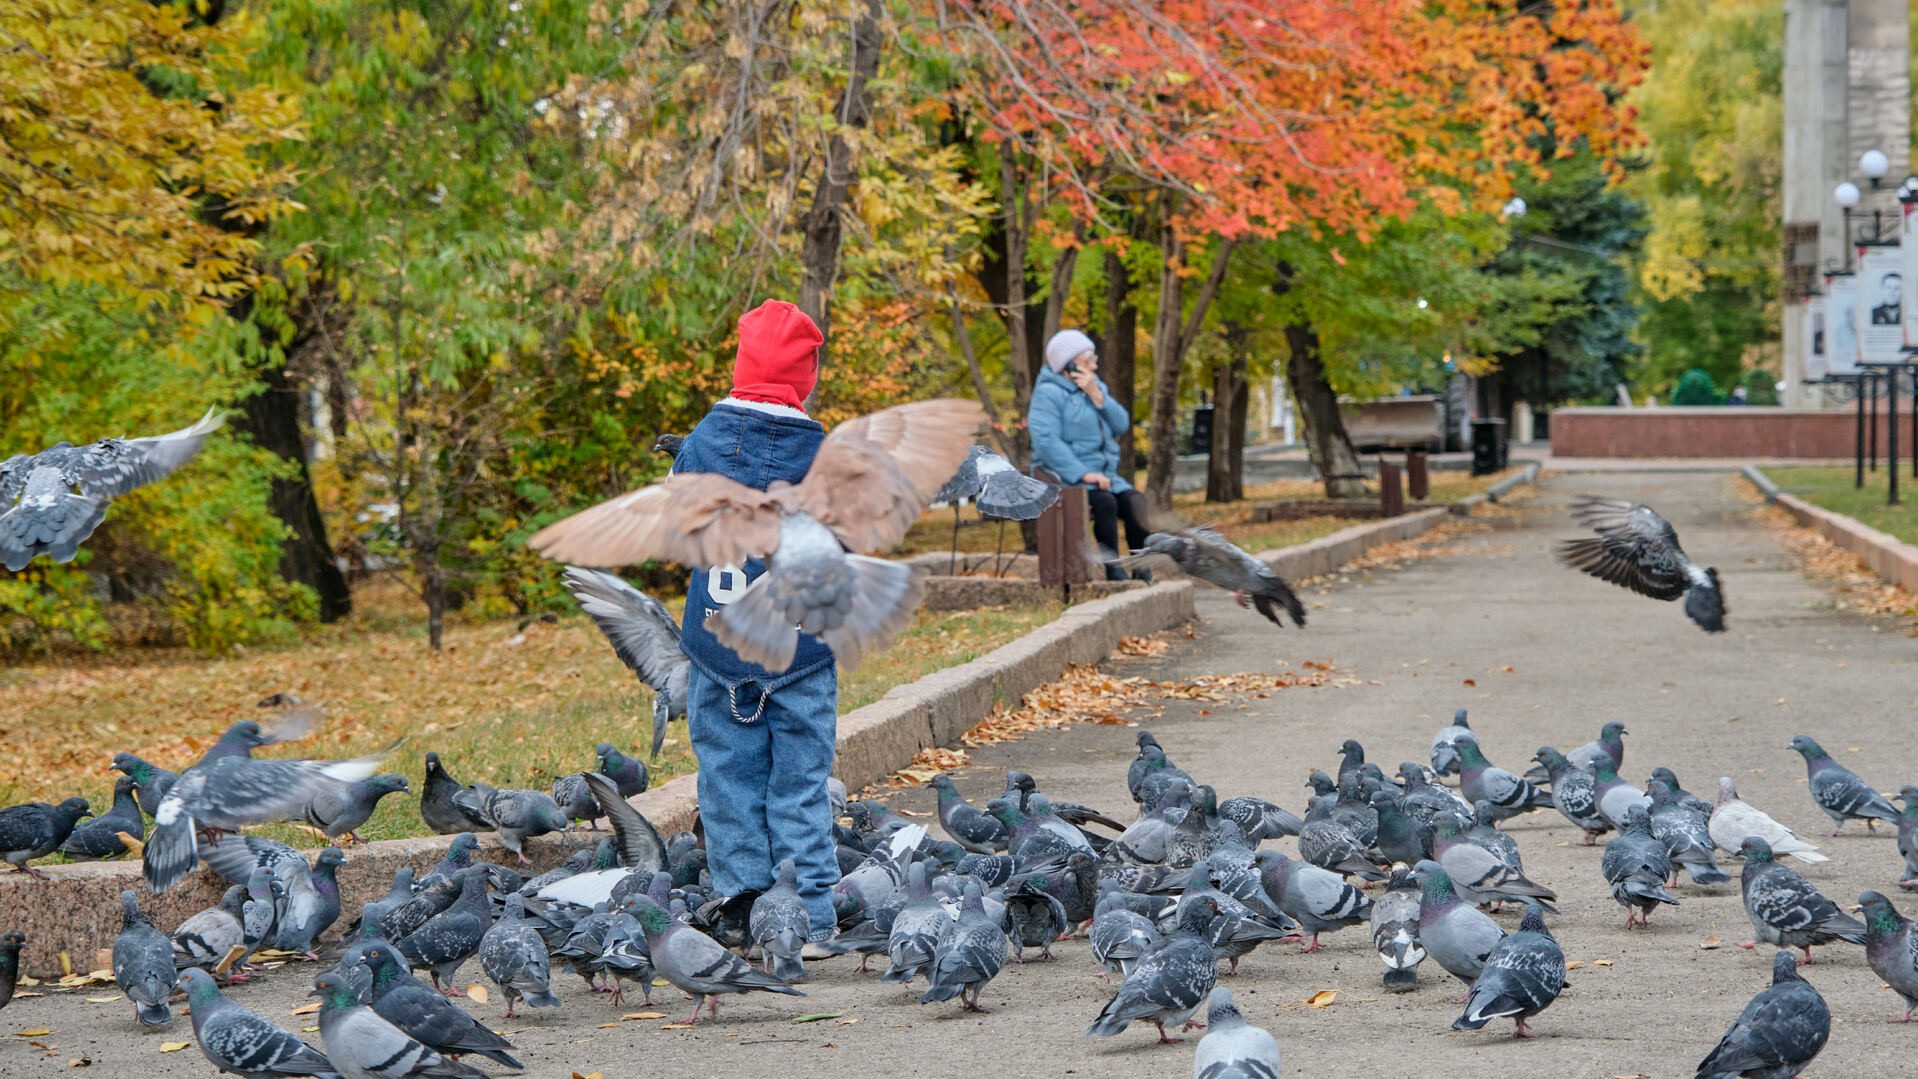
{"x": 1539, "y": 654}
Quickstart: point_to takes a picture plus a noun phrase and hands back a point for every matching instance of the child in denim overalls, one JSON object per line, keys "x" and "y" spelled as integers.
{"x": 764, "y": 739}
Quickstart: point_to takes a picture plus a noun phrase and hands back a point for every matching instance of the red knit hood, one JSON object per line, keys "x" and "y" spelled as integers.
{"x": 778, "y": 359}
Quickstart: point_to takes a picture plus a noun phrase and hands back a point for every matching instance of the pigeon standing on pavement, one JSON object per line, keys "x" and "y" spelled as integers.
{"x": 1780, "y": 1031}
{"x": 1319, "y": 900}
{"x": 644, "y": 636}
{"x": 238, "y": 1042}
{"x": 516, "y": 815}
{"x": 36, "y": 829}
{"x": 1233, "y": 1048}
{"x": 1445, "y": 744}
{"x": 1202, "y": 552}
{"x": 968, "y": 826}
{"x": 339, "y": 811}
{"x": 362, "y": 1045}
{"x": 40, "y": 510}
{"x": 1733, "y": 819}
{"x": 869, "y": 482}
{"x": 1120, "y": 936}
{"x": 448, "y": 939}
{"x": 10, "y": 945}
{"x": 1615, "y": 796}
{"x": 1908, "y": 837}
{"x": 100, "y": 837}
{"x": 423, "y": 1013}
{"x": 1609, "y": 745}
{"x": 1839, "y": 792}
{"x": 1395, "y": 931}
{"x": 1785, "y": 908}
{"x": 1455, "y": 934}
{"x": 151, "y": 781}
{"x": 779, "y": 925}
{"x": 1891, "y": 948}
{"x": 1522, "y": 976}
{"x": 1636, "y": 865}
{"x": 1685, "y": 836}
{"x": 1574, "y": 793}
{"x": 968, "y": 955}
{"x": 1171, "y": 984}
{"x": 143, "y": 965}
{"x": 513, "y": 955}
{"x": 1638, "y": 549}
{"x": 437, "y": 807}
{"x": 699, "y": 965}
{"x": 1482, "y": 781}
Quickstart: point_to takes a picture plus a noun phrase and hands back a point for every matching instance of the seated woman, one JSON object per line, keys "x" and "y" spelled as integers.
{"x": 1075, "y": 426}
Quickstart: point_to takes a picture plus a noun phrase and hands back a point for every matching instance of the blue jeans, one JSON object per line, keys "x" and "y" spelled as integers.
{"x": 762, "y": 783}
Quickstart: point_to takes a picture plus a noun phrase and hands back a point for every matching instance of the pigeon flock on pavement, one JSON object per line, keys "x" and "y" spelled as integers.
{"x": 1170, "y": 896}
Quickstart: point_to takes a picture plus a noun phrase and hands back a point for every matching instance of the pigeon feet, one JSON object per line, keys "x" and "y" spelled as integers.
{"x": 1808, "y": 960}
{"x": 1521, "y": 1030}
{"x": 1748, "y": 945}
{"x": 1164, "y": 1038}
{"x": 1905, "y": 1018}
{"x": 34, "y": 873}
{"x": 509, "y": 1007}
{"x": 1590, "y": 840}
{"x": 1313, "y": 946}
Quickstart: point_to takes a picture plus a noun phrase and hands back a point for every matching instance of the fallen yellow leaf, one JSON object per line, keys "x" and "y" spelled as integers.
{"x": 477, "y": 993}
{"x": 105, "y": 1000}
{"x": 305, "y": 1009}
{"x": 644, "y": 1015}
{"x": 173, "y": 1047}
{"x": 609, "y": 1026}
{"x": 66, "y": 964}
{"x": 310, "y": 1030}
{"x": 677, "y": 1026}
{"x": 41, "y": 1033}
{"x": 1601, "y": 962}
{"x": 1711, "y": 942}
{"x": 1575, "y": 964}
{"x": 588, "y": 1075}
{"x": 1322, "y": 998}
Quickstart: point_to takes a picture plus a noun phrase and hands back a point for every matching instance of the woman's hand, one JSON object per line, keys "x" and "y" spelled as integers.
{"x": 1088, "y": 382}
{"x": 1097, "y": 479}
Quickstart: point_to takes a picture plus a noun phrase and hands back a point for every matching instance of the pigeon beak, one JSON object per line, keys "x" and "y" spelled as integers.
{"x": 1855, "y": 908}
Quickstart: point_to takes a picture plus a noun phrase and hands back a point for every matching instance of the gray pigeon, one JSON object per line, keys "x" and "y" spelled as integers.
{"x": 1319, "y": 900}
{"x": 259, "y": 912}
{"x": 312, "y": 895}
{"x": 1482, "y": 781}
{"x": 627, "y": 773}
{"x": 1233, "y": 1048}
{"x": 1522, "y": 977}
{"x": 1615, "y": 796}
{"x": 1171, "y": 984}
{"x": 1908, "y": 836}
{"x": 42, "y": 513}
{"x": 1574, "y": 794}
{"x": 419, "y": 1009}
{"x": 10, "y": 945}
{"x": 1784, "y": 907}
{"x": 339, "y": 810}
{"x": 362, "y": 1045}
{"x": 1444, "y": 745}
{"x": 1203, "y": 553}
{"x": 238, "y": 1042}
{"x": 228, "y": 790}
{"x": 1330, "y": 844}
{"x": 437, "y": 807}
{"x": 451, "y": 937}
{"x": 151, "y": 781}
{"x": 1733, "y": 819}
{"x": 1609, "y": 745}
{"x": 205, "y": 938}
{"x": 1033, "y": 917}
{"x": 1636, "y": 865}
{"x": 645, "y": 638}
{"x": 968, "y": 826}
{"x": 969, "y": 954}
{"x": 367, "y": 926}
{"x": 1685, "y": 798}
{"x": 36, "y": 829}
{"x": 997, "y": 487}
{"x": 1840, "y": 793}
{"x": 100, "y": 837}
{"x": 1258, "y": 819}
{"x": 513, "y": 955}
{"x": 1455, "y": 934}
{"x": 779, "y": 925}
{"x": 143, "y": 965}
{"x": 870, "y": 480}
{"x": 1891, "y": 948}
{"x": 1395, "y": 931}
{"x": 1778, "y": 1034}
{"x": 515, "y": 815}
{"x": 459, "y": 856}
{"x": 575, "y": 799}
{"x": 1638, "y": 549}
{"x": 1685, "y": 836}
{"x": 1479, "y": 875}
{"x": 695, "y": 962}
{"x": 1120, "y": 936}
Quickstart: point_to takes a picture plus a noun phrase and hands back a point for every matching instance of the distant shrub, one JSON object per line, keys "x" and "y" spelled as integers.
{"x": 1695, "y": 388}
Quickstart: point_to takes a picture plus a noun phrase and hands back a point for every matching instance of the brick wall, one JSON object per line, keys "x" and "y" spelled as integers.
{"x": 1755, "y": 432}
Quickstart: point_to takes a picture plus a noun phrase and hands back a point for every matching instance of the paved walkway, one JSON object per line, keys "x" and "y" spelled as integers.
{"x": 1539, "y": 654}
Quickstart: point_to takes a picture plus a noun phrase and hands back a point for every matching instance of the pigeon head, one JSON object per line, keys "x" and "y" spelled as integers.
{"x": 1458, "y": 719}
{"x": 788, "y": 873}
{"x": 1468, "y": 752}
{"x": 1637, "y": 820}
{"x": 200, "y": 990}
{"x": 1413, "y": 773}
{"x": 1145, "y": 739}
{"x": 1320, "y": 783}
{"x": 138, "y": 770}
{"x": 552, "y": 818}
{"x": 1351, "y": 749}
{"x": 433, "y": 763}
{"x": 1021, "y": 782}
{"x": 130, "y": 910}
{"x": 652, "y": 918}
{"x": 1661, "y": 793}
{"x": 247, "y": 734}
{"x": 1448, "y": 824}
{"x": 1550, "y": 758}
{"x": 1909, "y": 795}
{"x": 335, "y": 993}
{"x": 1784, "y": 968}
{"x": 1666, "y": 776}
{"x": 1433, "y": 880}
{"x": 1755, "y": 850}
{"x": 1610, "y": 732}
{"x": 1534, "y": 920}
{"x": 604, "y": 855}
{"x": 460, "y": 851}
{"x": 1387, "y": 798}
{"x": 942, "y": 783}
{"x": 385, "y": 964}
{"x": 387, "y": 783}
{"x": 1005, "y": 812}
{"x": 332, "y": 858}
{"x": 123, "y": 787}
{"x": 73, "y": 809}
{"x": 1881, "y": 918}
{"x": 1726, "y": 791}
{"x": 1197, "y": 914}
{"x": 1811, "y": 750}
{"x": 668, "y": 443}
{"x": 1223, "y": 1011}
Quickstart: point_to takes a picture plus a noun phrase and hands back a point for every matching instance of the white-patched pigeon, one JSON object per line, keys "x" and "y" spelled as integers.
{"x": 1233, "y": 1048}
{"x": 1395, "y": 931}
{"x": 1638, "y": 549}
{"x": 1733, "y": 819}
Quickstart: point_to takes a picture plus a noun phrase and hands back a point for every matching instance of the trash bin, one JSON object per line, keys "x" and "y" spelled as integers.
{"x": 1201, "y": 430}
{"x": 1488, "y": 447}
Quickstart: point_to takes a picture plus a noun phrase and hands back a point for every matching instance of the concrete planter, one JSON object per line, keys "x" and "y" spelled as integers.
{"x": 1889, "y": 557}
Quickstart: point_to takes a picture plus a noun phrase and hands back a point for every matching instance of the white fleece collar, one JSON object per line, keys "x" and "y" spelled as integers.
{"x": 767, "y": 407}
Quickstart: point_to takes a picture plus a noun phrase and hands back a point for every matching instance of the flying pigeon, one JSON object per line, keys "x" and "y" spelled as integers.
{"x": 236, "y": 1041}
{"x": 1636, "y": 865}
{"x": 436, "y": 802}
{"x": 100, "y": 837}
{"x": 362, "y": 1045}
{"x": 1638, "y": 549}
{"x": 968, "y": 955}
{"x": 871, "y": 479}
{"x": 1395, "y": 931}
{"x": 696, "y": 963}
{"x": 779, "y": 925}
{"x": 143, "y": 965}
{"x": 1685, "y": 836}
{"x": 1574, "y": 794}
{"x": 1734, "y": 818}
{"x": 997, "y": 487}
{"x": 515, "y": 815}
{"x": 1891, "y": 948}
{"x": 425, "y": 1015}
{"x": 151, "y": 780}
{"x": 1202, "y": 552}
{"x": 1455, "y": 934}
{"x": 10, "y": 945}
{"x": 1482, "y": 781}
{"x": 36, "y": 829}
{"x": 1233, "y": 1048}
{"x": 1784, "y": 907}
{"x": 1780, "y": 1031}
{"x": 1444, "y": 750}
{"x": 228, "y": 790}
{"x": 644, "y": 636}
{"x": 40, "y": 511}
{"x": 1839, "y": 792}
{"x": 1522, "y": 976}
{"x": 1171, "y": 984}
{"x": 513, "y": 955}
{"x": 339, "y": 810}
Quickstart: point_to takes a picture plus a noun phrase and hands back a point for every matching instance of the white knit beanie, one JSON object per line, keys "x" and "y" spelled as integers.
{"x": 1065, "y": 346}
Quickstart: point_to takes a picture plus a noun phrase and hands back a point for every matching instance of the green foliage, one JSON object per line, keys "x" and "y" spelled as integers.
{"x": 1695, "y": 387}
{"x": 1761, "y": 388}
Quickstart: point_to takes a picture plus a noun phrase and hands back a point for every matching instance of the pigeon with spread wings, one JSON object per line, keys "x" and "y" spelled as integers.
{"x": 644, "y": 635}
{"x": 1638, "y": 549}
{"x": 872, "y": 478}
{"x": 40, "y": 511}
{"x": 1203, "y": 553}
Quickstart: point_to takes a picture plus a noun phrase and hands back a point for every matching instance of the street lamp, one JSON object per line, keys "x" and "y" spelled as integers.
{"x": 1873, "y": 164}
{"x": 1845, "y": 195}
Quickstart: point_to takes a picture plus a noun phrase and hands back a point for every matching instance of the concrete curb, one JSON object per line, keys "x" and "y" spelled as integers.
{"x": 1891, "y": 558}
{"x": 1464, "y": 506}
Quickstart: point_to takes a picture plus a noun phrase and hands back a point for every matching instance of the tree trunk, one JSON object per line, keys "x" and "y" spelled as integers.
{"x": 272, "y": 418}
{"x": 819, "y": 254}
{"x": 1325, "y": 437}
{"x": 1224, "y": 480}
{"x": 433, "y": 591}
{"x": 1169, "y": 345}
{"x": 1119, "y": 359}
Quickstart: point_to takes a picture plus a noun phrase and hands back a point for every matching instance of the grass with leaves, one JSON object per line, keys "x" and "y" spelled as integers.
{"x": 1834, "y": 489}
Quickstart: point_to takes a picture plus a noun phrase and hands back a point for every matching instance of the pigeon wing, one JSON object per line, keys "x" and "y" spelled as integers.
{"x": 692, "y": 518}
{"x": 112, "y": 467}
{"x": 875, "y": 474}
{"x": 639, "y": 844}
{"x": 642, "y": 632}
